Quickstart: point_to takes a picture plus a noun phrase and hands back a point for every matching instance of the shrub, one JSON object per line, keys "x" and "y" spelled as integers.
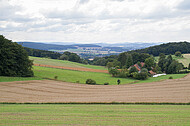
{"x": 113, "y": 71}
{"x": 133, "y": 69}
{"x": 55, "y": 77}
{"x": 123, "y": 73}
{"x": 77, "y": 81}
{"x": 170, "y": 77}
{"x": 141, "y": 76}
{"x": 106, "y": 83}
{"x": 178, "y": 54}
{"x": 90, "y": 81}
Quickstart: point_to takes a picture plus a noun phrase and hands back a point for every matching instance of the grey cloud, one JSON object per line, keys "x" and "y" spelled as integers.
{"x": 8, "y": 13}
{"x": 184, "y": 5}
{"x": 72, "y": 14}
{"x": 83, "y": 1}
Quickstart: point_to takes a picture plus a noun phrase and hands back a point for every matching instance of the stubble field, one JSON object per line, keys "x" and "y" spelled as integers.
{"x": 49, "y": 91}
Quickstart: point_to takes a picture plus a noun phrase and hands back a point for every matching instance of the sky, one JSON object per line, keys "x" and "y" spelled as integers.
{"x": 95, "y": 21}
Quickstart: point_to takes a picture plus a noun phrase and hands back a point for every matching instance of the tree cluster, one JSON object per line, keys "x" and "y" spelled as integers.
{"x": 14, "y": 59}
{"x": 123, "y": 60}
{"x": 169, "y": 65}
{"x": 132, "y": 73}
{"x": 42, "y": 53}
{"x": 72, "y": 57}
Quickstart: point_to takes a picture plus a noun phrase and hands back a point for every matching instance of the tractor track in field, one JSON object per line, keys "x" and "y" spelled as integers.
{"x": 73, "y": 68}
{"x": 50, "y": 91}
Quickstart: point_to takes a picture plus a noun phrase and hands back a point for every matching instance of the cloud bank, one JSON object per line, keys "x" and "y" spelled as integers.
{"x": 91, "y": 21}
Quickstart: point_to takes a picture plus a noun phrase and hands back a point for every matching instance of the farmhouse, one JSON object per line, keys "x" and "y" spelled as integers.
{"x": 140, "y": 66}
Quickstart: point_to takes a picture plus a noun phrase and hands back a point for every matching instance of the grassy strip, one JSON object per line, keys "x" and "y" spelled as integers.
{"x": 105, "y": 103}
{"x": 10, "y": 79}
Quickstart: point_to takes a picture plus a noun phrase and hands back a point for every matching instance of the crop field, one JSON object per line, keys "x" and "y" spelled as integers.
{"x": 49, "y": 91}
{"x": 81, "y": 115}
{"x": 63, "y": 63}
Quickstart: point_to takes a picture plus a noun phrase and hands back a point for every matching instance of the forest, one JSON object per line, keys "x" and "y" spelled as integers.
{"x": 168, "y": 48}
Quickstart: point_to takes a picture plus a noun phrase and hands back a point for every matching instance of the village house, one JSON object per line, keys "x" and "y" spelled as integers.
{"x": 140, "y": 67}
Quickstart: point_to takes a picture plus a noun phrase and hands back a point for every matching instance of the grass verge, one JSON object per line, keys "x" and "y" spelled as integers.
{"x": 10, "y": 79}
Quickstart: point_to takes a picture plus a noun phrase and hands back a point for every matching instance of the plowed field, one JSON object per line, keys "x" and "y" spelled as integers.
{"x": 73, "y": 68}
{"x": 43, "y": 91}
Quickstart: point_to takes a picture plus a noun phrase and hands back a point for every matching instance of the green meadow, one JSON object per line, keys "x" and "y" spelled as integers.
{"x": 74, "y": 76}
{"x": 94, "y": 114}
{"x": 81, "y": 76}
{"x": 64, "y": 63}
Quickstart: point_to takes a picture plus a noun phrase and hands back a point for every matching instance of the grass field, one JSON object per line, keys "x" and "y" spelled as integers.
{"x": 78, "y": 114}
{"x": 81, "y": 76}
{"x": 64, "y": 63}
{"x": 100, "y": 78}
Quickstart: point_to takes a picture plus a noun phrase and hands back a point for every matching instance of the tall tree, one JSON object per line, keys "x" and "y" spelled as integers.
{"x": 122, "y": 58}
{"x": 129, "y": 61}
{"x": 14, "y": 59}
{"x": 149, "y": 62}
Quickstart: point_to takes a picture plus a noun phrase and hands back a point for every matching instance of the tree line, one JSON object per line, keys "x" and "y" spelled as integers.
{"x": 168, "y": 48}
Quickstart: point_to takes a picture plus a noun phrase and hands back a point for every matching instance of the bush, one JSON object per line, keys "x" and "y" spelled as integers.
{"x": 133, "y": 69}
{"x": 141, "y": 76}
{"x": 113, "y": 71}
{"x": 90, "y": 81}
{"x": 170, "y": 77}
{"x": 55, "y": 77}
{"x": 106, "y": 83}
{"x": 77, "y": 81}
{"x": 123, "y": 73}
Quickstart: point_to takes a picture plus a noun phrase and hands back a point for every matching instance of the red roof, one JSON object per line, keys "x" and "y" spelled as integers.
{"x": 151, "y": 72}
{"x": 142, "y": 64}
{"x": 137, "y": 67}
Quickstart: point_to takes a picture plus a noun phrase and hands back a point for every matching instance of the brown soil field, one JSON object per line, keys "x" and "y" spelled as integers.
{"x": 73, "y": 68}
{"x": 49, "y": 91}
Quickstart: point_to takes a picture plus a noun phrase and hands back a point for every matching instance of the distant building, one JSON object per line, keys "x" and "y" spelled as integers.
{"x": 140, "y": 67}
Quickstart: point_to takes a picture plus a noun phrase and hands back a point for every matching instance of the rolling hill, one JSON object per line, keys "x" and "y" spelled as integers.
{"x": 168, "y": 48}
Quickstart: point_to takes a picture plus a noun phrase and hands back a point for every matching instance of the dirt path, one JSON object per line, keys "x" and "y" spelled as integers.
{"x": 73, "y": 68}
{"x": 43, "y": 91}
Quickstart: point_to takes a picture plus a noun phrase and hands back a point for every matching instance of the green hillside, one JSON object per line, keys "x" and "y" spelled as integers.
{"x": 168, "y": 48}
{"x": 63, "y": 63}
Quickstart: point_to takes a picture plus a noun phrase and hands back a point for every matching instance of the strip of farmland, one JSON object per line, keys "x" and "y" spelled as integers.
{"x": 73, "y": 68}
{"x": 49, "y": 91}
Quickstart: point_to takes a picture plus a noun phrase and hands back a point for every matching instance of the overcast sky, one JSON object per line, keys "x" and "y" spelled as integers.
{"x": 89, "y": 21}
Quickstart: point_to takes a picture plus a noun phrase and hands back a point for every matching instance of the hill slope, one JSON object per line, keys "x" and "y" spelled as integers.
{"x": 168, "y": 48}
